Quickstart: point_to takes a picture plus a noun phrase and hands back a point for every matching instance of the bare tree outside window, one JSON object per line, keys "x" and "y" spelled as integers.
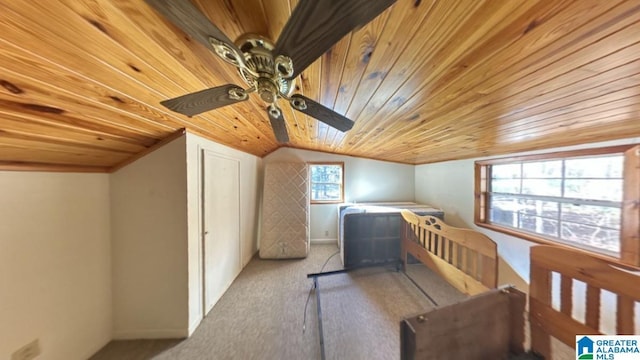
{"x": 326, "y": 183}
{"x": 570, "y": 200}
{"x": 583, "y": 198}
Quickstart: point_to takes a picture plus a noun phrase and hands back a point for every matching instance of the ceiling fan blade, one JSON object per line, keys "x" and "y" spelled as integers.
{"x": 315, "y": 26}
{"x": 277, "y": 123}
{"x": 320, "y": 112}
{"x": 205, "y": 100}
{"x": 187, "y": 17}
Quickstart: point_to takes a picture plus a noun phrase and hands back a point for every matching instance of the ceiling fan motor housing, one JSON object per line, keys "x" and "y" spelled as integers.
{"x": 261, "y": 71}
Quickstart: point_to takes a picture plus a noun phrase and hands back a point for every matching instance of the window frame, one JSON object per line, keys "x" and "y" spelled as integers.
{"x": 333, "y": 163}
{"x": 630, "y": 209}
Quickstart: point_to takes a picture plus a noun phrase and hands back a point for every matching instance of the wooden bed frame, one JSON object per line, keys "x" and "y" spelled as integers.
{"x": 598, "y": 275}
{"x": 467, "y": 259}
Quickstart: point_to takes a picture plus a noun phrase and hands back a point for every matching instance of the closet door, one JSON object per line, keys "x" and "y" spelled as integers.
{"x": 221, "y": 224}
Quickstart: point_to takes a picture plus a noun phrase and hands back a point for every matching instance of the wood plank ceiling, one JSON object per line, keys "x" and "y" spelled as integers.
{"x": 426, "y": 81}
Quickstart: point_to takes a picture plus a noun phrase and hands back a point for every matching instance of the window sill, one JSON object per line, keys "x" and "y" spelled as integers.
{"x": 328, "y": 202}
{"x": 611, "y": 260}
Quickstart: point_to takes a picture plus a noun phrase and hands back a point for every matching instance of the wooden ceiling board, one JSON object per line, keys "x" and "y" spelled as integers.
{"x": 135, "y": 44}
{"x": 136, "y": 67}
{"x": 386, "y": 98}
{"x": 426, "y": 81}
{"x": 532, "y": 67}
{"x": 17, "y": 148}
{"x": 361, "y": 49}
{"x": 333, "y": 63}
{"x": 424, "y": 77}
{"x": 401, "y": 30}
{"x": 583, "y": 94}
{"x": 27, "y": 127}
{"x": 89, "y": 65}
{"x": 450, "y": 114}
{"x": 38, "y": 96}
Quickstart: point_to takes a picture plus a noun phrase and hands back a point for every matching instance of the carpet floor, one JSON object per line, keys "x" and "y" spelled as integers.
{"x": 262, "y": 315}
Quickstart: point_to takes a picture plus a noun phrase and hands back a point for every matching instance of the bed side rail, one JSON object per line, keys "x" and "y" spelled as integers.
{"x": 598, "y": 275}
{"x": 467, "y": 259}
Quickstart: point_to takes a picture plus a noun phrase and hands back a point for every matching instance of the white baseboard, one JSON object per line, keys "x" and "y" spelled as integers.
{"x": 151, "y": 334}
{"x": 324, "y": 241}
{"x": 194, "y": 325}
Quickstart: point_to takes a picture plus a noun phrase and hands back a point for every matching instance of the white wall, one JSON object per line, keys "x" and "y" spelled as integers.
{"x": 149, "y": 232}
{"x": 250, "y": 196}
{"x": 449, "y": 185}
{"x": 55, "y": 279}
{"x": 365, "y": 180}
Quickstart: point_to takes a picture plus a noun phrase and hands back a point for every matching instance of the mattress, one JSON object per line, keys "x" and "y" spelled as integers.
{"x": 383, "y": 208}
{"x": 369, "y": 233}
{"x": 284, "y": 232}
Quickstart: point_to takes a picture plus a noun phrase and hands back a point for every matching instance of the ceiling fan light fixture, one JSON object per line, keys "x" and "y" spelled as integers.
{"x": 267, "y": 90}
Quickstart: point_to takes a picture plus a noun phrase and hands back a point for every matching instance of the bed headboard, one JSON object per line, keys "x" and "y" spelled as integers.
{"x": 597, "y": 274}
{"x": 467, "y": 259}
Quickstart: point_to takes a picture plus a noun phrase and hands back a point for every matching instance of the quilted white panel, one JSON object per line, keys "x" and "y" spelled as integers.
{"x": 285, "y": 211}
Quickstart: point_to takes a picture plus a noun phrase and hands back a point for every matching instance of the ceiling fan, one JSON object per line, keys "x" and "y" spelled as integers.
{"x": 269, "y": 69}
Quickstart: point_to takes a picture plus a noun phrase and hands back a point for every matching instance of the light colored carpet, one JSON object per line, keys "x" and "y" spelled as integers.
{"x": 261, "y": 315}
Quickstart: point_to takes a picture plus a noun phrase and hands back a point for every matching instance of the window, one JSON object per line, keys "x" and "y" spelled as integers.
{"x": 327, "y": 183}
{"x": 586, "y": 199}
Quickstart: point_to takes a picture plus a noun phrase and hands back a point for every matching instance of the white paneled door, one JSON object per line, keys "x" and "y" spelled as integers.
{"x": 221, "y": 224}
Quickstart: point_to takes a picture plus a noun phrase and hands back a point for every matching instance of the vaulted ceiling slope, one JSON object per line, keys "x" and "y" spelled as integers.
{"x": 426, "y": 81}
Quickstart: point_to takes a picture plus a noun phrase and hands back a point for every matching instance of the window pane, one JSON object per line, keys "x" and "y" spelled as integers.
{"x": 506, "y": 186}
{"x": 539, "y": 225}
{"x": 326, "y": 182}
{"x": 592, "y": 236}
{"x": 542, "y": 187}
{"x": 592, "y": 215}
{"x": 594, "y": 189}
{"x": 595, "y": 167}
{"x": 503, "y": 210}
{"x": 506, "y": 202}
{"x": 507, "y": 171}
{"x": 574, "y": 200}
{"x": 499, "y": 215}
{"x": 326, "y": 173}
{"x": 542, "y": 169}
{"x": 324, "y": 191}
{"x": 548, "y": 209}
